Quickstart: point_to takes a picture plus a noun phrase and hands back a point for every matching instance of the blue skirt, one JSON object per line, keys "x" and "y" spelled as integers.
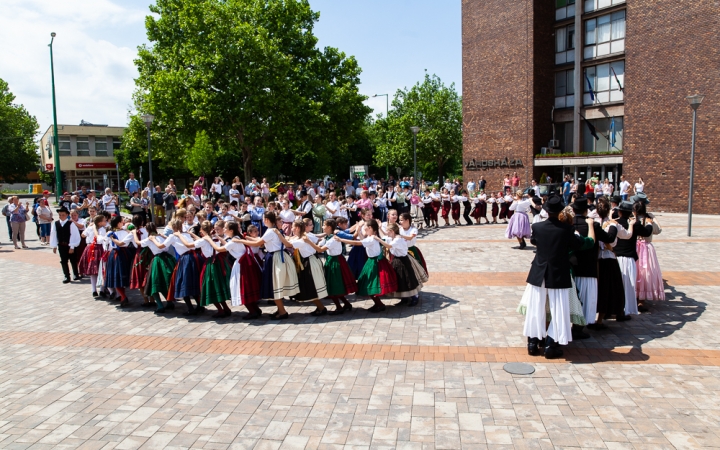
{"x": 187, "y": 276}
{"x": 119, "y": 265}
{"x": 266, "y": 283}
{"x": 356, "y": 260}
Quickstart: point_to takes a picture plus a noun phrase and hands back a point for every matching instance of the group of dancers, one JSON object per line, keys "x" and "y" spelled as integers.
{"x": 594, "y": 261}
{"x": 216, "y": 262}
{"x": 447, "y": 203}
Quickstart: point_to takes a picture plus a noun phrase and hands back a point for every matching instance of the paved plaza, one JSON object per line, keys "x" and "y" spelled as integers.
{"x": 79, "y": 373}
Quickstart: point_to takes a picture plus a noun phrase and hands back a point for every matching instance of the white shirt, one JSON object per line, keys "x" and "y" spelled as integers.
{"x": 217, "y": 187}
{"x": 335, "y": 206}
{"x": 287, "y": 216}
{"x": 334, "y": 247}
{"x": 125, "y": 237}
{"x": 435, "y": 196}
{"x": 235, "y": 249}
{"x": 272, "y": 241}
{"x": 109, "y": 203}
{"x": 372, "y": 247}
{"x": 177, "y": 244}
{"x": 522, "y": 206}
{"x": 74, "y": 234}
{"x": 305, "y": 207}
{"x": 639, "y": 187}
{"x": 399, "y": 246}
{"x": 153, "y": 248}
{"x": 411, "y": 231}
{"x": 205, "y": 247}
{"x": 303, "y": 247}
{"x": 90, "y": 233}
{"x": 624, "y": 186}
{"x": 234, "y": 195}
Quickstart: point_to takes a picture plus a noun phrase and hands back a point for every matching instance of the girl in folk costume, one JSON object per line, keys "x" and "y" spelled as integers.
{"x": 160, "y": 269}
{"x": 416, "y": 209}
{"x": 519, "y": 226}
{"x": 508, "y": 201}
{"x": 392, "y": 218}
{"x": 185, "y": 280}
{"x": 358, "y": 256}
{"x": 536, "y": 209}
{"x": 338, "y": 276}
{"x": 465, "y": 199}
{"x": 377, "y": 277}
{"x": 626, "y": 253}
{"x": 409, "y": 233}
{"x": 446, "y": 206}
{"x": 650, "y": 284}
{"x": 427, "y": 208}
{"x": 435, "y": 205}
{"x": 483, "y": 198}
{"x": 215, "y": 274}
{"x": 455, "y": 207}
{"x": 141, "y": 260}
{"x": 503, "y": 206}
{"x": 279, "y": 277}
{"x": 287, "y": 216}
{"x": 493, "y": 207}
{"x": 310, "y": 273}
{"x": 475, "y": 213}
{"x": 611, "y": 295}
{"x": 408, "y": 284}
{"x": 245, "y": 274}
{"x": 89, "y": 264}
{"x": 119, "y": 263}
{"x": 80, "y": 224}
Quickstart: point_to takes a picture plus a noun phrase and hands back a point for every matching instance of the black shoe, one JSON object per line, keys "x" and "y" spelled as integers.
{"x": 578, "y": 333}
{"x": 252, "y": 316}
{"x": 77, "y": 278}
{"x": 404, "y": 300}
{"x": 377, "y": 308}
{"x": 541, "y": 343}
{"x": 643, "y": 309}
{"x": 337, "y": 312}
{"x": 318, "y": 312}
{"x": 347, "y": 307}
{"x": 414, "y": 300}
{"x": 95, "y": 294}
{"x": 200, "y": 309}
{"x": 170, "y": 305}
{"x": 280, "y": 316}
{"x": 149, "y": 305}
{"x": 532, "y": 346}
{"x": 160, "y": 311}
{"x": 597, "y": 326}
{"x": 103, "y": 294}
{"x": 523, "y": 245}
{"x": 623, "y": 318}
{"x": 124, "y": 303}
{"x": 552, "y": 350}
{"x": 66, "y": 280}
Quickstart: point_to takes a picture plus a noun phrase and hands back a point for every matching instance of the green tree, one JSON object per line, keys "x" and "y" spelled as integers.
{"x": 247, "y": 73}
{"x": 202, "y": 157}
{"x": 18, "y": 151}
{"x": 437, "y": 110}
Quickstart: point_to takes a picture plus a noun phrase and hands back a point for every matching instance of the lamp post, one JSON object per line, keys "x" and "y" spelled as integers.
{"x": 415, "y": 132}
{"x": 387, "y": 110}
{"x": 148, "y": 119}
{"x": 694, "y": 101}
{"x": 56, "y": 154}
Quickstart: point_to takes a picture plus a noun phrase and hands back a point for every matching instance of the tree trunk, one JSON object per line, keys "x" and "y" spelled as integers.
{"x": 247, "y": 165}
{"x": 441, "y": 164}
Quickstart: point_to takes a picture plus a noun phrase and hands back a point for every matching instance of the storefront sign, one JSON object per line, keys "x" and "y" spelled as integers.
{"x": 485, "y": 164}
{"x": 94, "y": 165}
{"x": 48, "y": 167}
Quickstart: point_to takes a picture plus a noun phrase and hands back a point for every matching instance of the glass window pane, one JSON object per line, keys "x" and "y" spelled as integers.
{"x": 589, "y": 5}
{"x": 617, "y": 46}
{"x": 616, "y": 96}
{"x": 571, "y": 9}
{"x": 589, "y": 52}
{"x": 590, "y": 32}
{"x": 83, "y": 143}
{"x": 571, "y": 37}
{"x": 559, "y": 102}
{"x": 588, "y": 140}
{"x": 570, "y": 55}
{"x": 560, "y": 58}
{"x": 618, "y": 26}
{"x": 603, "y": 77}
{"x": 560, "y": 3}
{"x": 100, "y": 144}
{"x": 560, "y": 13}
{"x": 603, "y": 3}
{"x": 560, "y": 39}
{"x": 570, "y": 86}
{"x": 603, "y": 32}
{"x": 602, "y": 49}
{"x": 560, "y": 84}
{"x": 587, "y": 100}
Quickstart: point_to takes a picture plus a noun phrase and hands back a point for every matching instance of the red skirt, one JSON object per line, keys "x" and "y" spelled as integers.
{"x": 388, "y": 278}
{"x": 475, "y": 214}
{"x": 250, "y": 276}
{"x": 139, "y": 272}
{"x": 445, "y": 210}
{"x": 90, "y": 259}
{"x": 495, "y": 209}
{"x": 456, "y": 210}
{"x": 434, "y": 210}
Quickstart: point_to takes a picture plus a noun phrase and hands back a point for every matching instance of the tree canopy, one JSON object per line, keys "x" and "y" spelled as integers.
{"x": 18, "y": 150}
{"x": 437, "y": 110}
{"x": 245, "y": 78}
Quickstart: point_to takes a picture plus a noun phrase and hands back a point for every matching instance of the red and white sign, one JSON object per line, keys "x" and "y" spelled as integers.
{"x": 94, "y": 165}
{"x": 48, "y": 167}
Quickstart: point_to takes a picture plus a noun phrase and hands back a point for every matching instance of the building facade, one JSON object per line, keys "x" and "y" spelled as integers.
{"x": 86, "y": 155}
{"x": 538, "y": 76}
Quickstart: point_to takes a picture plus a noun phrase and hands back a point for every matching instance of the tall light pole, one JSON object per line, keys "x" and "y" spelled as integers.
{"x": 695, "y": 101}
{"x": 387, "y": 110}
{"x": 148, "y": 119}
{"x": 415, "y": 132}
{"x": 56, "y": 154}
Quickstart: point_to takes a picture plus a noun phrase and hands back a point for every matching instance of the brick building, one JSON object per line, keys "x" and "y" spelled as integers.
{"x": 529, "y": 79}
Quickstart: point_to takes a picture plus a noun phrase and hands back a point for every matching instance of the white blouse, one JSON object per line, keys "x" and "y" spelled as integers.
{"x": 235, "y": 249}
{"x": 176, "y": 243}
{"x": 123, "y": 236}
{"x": 205, "y": 247}
{"x": 409, "y": 232}
{"x": 334, "y": 247}
{"x": 272, "y": 241}
{"x": 153, "y": 248}
{"x": 372, "y": 247}
{"x": 399, "y": 246}
{"x": 303, "y": 247}
{"x": 287, "y": 216}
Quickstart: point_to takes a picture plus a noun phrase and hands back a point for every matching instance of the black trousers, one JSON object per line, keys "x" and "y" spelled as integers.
{"x": 426, "y": 209}
{"x": 65, "y": 258}
{"x": 466, "y": 213}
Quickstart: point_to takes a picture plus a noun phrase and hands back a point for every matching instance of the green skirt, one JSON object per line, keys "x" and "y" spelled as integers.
{"x": 161, "y": 271}
{"x": 215, "y": 281}
{"x": 377, "y": 278}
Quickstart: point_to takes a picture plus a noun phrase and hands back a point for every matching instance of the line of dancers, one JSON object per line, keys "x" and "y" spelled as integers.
{"x": 447, "y": 204}
{"x": 216, "y": 263}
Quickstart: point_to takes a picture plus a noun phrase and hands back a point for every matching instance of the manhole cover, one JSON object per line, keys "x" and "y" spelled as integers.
{"x": 519, "y": 368}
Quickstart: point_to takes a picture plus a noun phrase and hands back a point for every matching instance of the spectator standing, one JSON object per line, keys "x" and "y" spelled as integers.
{"x": 482, "y": 183}
{"x": 567, "y": 186}
{"x": 639, "y": 186}
{"x": 216, "y": 189}
{"x": 136, "y": 204}
{"x": 45, "y": 219}
{"x": 132, "y": 185}
{"x": 159, "y": 209}
{"x": 18, "y": 217}
{"x": 110, "y": 202}
{"x": 168, "y": 201}
{"x": 515, "y": 180}
{"x": 624, "y": 188}
{"x": 471, "y": 187}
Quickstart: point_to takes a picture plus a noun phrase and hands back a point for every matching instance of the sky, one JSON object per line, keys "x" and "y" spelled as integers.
{"x": 394, "y": 41}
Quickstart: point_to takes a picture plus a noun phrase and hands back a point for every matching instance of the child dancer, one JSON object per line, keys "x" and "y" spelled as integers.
{"x": 493, "y": 207}
{"x": 455, "y": 207}
{"x": 377, "y": 277}
{"x": 279, "y": 278}
{"x": 215, "y": 275}
{"x": 408, "y": 286}
{"x": 358, "y": 257}
{"x": 519, "y": 226}
{"x": 119, "y": 259}
{"x": 650, "y": 284}
{"x": 338, "y": 276}
{"x": 141, "y": 260}
{"x": 160, "y": 269}
{"x": 245, "y": 275}
{"x": 445, "y": 196}
{"x": 409, "y": 233}
{"x": 427, "y": 208}
{"x": 500, "y": 201}
{"x": 89, "y": 264}
{"x": 508, "y": 201}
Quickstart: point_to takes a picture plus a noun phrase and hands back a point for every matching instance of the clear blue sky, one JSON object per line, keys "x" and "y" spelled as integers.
{"x": 394, "y": 42}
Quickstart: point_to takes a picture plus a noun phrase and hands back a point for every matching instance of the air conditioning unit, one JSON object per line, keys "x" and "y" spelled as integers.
{"x": 544, "y": 150}
{"x": 554, "y": 144}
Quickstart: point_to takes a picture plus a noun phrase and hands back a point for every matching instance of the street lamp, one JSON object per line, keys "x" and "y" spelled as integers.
{"x": 387, "y": 110}
{"x": 694, "y": 101}
{"x": 56, "y": 154}
{"x": 415, "y": 132}
{"x": 148, "y": 119}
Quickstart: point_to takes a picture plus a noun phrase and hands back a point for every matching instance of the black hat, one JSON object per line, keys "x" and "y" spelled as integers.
{"x": 626, "y": 206}
{"x": 303, "y": 193}
{"x": 63, "y": 209}
{"x": 615, "y": 199}
{"x": 580, "y": 204}
{"x": 590, "y": 196}
{"x": 640, "y": 197}
{"x": 554, "y": 205}
{"x": 537, "y": 201}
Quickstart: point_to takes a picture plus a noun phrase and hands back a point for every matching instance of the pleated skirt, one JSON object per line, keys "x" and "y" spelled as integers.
{"x": 356, "y": 260}
{"x": 628, "y": 269}
{"x": 417, "y": 254}
{"x": 160, "y": 273}
{"x": 89, "y": 263}
{"x": 611, "y": 295}
{"x": 186, "y": 277}
{"x": 338, "y": 277}
{"x": 117, "y": 274}
{"x": 455, "y": 208}
{"x": 407, "y": 283}
{"x": 446, "y": 209}
{"x": 650, "y": 285}
{"x": 215, "y": 281}
{"x": 141, "y": 263}
{"x": 377, "y": 278}
{"x": 279, "y": 277}
{"x": 311, "y": 279}
{"x": 518, "y": 227}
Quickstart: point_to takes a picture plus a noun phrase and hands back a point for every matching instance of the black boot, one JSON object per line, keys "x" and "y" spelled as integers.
{"x": 578, "y": 333}
{"x": 533, "y": 349}
{"x": 552, "y": 349}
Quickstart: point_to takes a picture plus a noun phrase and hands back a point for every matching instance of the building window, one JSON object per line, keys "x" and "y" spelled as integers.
{"x": 604, "y": 84}
{"x": 564, "y": 134}
{"x": 116, "y": 144}
{"x": 565, "y": 45}
{"x": 564, "y": 9}
{"x": 593, "y": 5}
{"x": 83, "y": 146}
{"x": 101, "y": 146}
{"x": 605, "y": 35}
{"x": 604, "y": 130}
{"x": 565, "y": 89}
{"x": 64, "y": 143}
